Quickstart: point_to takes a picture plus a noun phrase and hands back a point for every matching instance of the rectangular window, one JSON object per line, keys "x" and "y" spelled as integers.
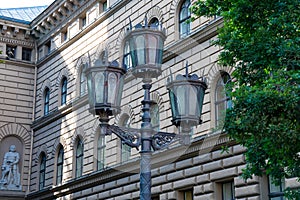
{"x": 228, "y": 191}
{"x": 48, "y": 47}
{"x": 11, "y": 51}
{"x": 101, "y": 152}
{"x": 26, "y": 54}
{"x": 83, "y": 22}
{"x": 64, "y": 36}
{"x": 188, "y": 194}
{"x": 276, "y": 191}
{"x": 104, "y": 6}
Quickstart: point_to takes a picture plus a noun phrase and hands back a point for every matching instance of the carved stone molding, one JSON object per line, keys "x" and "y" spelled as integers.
{"x": 17, "y": 42}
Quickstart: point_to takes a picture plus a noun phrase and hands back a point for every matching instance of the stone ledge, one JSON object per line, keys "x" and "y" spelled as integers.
{"x": 11, "y": 195}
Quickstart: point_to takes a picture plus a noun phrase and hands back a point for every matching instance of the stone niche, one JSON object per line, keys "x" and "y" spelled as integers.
{"x": 5, "y": 145}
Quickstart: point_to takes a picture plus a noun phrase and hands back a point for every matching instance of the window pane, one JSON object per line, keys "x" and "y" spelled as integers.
{"x": 188, "y": 195}
{"x": 228, "y": 191}
{"x": 184, "y": 15}
{"x": 79, "y": 158}
{"x": 101, "y": 152}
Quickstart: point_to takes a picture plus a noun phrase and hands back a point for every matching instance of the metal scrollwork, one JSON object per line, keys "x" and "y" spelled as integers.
{"x": 163, "y": 139}
{"x": 129, "y": 136}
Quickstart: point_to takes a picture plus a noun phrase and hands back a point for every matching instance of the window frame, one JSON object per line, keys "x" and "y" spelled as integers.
{"x": 79, "y": 159}
{"x": 186, "y": 4}
{"x": 59, "y": 165}
{"x": 26, "y": 54}
{"x": 223, "y": 79}
{"x": 101, "y": 147}
{"x": 42, "y": 171}
{"x": 275, "y": 194}
{"x": 232, "y": 191}
{"x": 64, "y": 90}
{"x": 46, "y": 101}
{"x": 82, "y": 81}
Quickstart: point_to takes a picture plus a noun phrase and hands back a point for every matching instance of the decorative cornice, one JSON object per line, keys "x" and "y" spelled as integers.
{"x": 17, "y": 42}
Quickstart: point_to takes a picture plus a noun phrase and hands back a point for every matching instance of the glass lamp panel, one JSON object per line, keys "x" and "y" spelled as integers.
{"x": 112, "y": 88}
{"x": 173, "y": 103}
{"x": 140, "y": 49}
{"x": 99, "y": 87}
{"x": 120, "y": 90}
{"x": 193, "y": 103}
{"x": 200, "y": 95}
{"x": 152, "y": 46}
{"x": 181, "y": 100}
{"x": 91, "y": 90}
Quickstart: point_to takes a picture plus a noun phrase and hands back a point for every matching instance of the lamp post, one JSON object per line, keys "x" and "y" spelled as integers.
{"x": 105, "y": 84}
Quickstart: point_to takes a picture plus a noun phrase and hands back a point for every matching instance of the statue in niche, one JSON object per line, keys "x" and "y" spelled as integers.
{"x": 10, "y": 170}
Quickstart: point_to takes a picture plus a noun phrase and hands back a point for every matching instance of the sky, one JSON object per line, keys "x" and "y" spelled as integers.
{"x": 23, "y": 3}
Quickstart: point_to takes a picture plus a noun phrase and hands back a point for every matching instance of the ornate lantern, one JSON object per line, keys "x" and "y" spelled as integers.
{"x": 186, "y": 94}
{"x": 105, "y": 86}
{"x": 146, "y": 49}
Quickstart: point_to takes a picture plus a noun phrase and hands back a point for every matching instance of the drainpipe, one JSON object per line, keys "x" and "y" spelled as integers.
{"x": 33, "y": 116}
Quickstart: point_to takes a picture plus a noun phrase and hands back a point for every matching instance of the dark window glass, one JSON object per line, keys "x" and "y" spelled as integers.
{"x": 48, "y": 47}
{"x": 83, "y": 22}
{"x": 60, "y": 162}
{"x": 42, "y": 171}
{"x": 64, "y": 91}
{"x": 184, "y": 15}
{"x": 46, "y": 101}
{"x": 153, "y": 22}
{"x": 104, "y": 5}
{"x": 26, "y": 54}
{"x": 79, "y": 159}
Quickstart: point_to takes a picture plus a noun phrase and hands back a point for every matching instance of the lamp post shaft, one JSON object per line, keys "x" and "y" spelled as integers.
{"x": 146, "y": 138}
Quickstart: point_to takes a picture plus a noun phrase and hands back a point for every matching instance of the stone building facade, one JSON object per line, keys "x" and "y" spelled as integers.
{"x": 45, "y": 112}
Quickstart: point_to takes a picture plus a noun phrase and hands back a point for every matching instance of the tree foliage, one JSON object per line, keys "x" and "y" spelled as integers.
{"x": 261, "y": 39}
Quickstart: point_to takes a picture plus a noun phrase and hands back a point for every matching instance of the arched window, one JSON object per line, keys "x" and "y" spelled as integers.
{"x": 154, "y": 113}
{"x": 125, "y": 149}
{"x": 42, "y": 171}
{"x": 59, "y": 165}
{"x": 101, "y": 152}
{"x": 222, "y": 100}
{"x": 184, "y": 15}
{"x": 46, "y": 101}
{"x": 64, "y": 83}
{"x": 153, "y": 22}
{"x": 83, "y": 82}
{"x": 127, "y": 60}
{"x": 79, "y": 158}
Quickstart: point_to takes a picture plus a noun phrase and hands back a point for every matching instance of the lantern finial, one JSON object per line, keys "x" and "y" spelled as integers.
{"x": 187, "y": 69}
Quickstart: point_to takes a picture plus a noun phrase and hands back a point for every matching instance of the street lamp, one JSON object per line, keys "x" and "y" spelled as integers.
{"x": 105, "y": 84}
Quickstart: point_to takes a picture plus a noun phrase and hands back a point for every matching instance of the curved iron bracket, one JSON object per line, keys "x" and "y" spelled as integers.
{"x": 162, "y": 140}
{"x": 129, "y": 136}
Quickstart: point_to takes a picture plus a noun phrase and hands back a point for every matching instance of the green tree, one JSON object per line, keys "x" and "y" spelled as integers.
{"x": 261, "y": 39}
